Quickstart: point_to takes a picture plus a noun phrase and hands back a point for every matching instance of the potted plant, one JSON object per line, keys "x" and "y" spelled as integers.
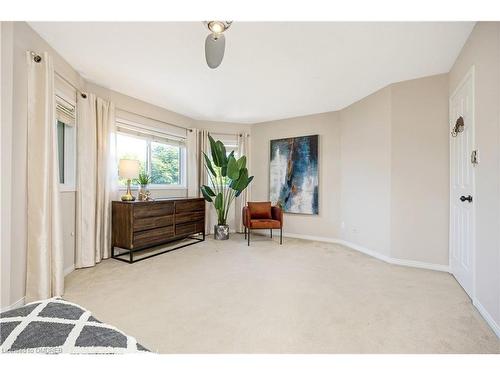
{"x": 143, "y": 180}
{"x": 228, "y": 177}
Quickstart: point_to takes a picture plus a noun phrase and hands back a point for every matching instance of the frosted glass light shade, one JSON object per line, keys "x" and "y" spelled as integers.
{"x": 128, "y": 169}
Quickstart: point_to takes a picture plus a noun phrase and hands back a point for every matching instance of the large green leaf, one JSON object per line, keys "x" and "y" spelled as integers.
{"x": 243, "y": 189}
{"x": 216, "y": 157}
{"x": 207, "y": 197}
{"x": 241, "y": 181}
{"x": 208, "y": 190}
{"x": 208, "y": 163}
{"x": 242, "y": 162}
{"x": 233, "y": 171}
{"x": 221, "y": 153}
{"x": 218, "y": 202}
{"x": 224, "y": 167}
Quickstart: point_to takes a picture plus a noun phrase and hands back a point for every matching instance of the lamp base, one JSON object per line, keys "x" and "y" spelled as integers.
{"x": 128, "y": 197}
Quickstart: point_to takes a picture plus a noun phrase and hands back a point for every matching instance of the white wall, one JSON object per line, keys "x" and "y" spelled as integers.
{"x": 366, "y": 172}
{"x": 420, "y": 170}
{"x": 482, "y": 50}
{"x": 383, "y": 171}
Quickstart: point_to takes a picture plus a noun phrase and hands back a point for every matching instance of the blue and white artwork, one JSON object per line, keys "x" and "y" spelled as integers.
{"x": 294, "y": 174}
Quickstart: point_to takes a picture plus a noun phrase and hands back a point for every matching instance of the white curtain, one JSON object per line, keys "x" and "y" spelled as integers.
{"x": 107, "y": 177}
{"x": 96, "y": 179}
{"x": 86, "y": 182}
{"x": 193, "y": 162}
{"x": 241, "y": 201}
{"x": 44, "y": 274}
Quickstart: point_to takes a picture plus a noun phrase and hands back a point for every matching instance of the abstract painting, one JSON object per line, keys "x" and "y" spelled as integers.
{"x": 294, "y": 174}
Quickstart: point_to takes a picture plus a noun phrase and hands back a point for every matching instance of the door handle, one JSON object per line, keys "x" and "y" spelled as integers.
{"x": 464, "y": 198}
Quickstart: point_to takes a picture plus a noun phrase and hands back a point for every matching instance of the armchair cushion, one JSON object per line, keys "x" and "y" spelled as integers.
{"x": 260, "y": 210}
{"x": 265, "y": 224}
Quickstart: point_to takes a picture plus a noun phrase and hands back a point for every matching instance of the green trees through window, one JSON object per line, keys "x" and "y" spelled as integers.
{"x": 162, "y": 161}
{"x": 165, "y": 164}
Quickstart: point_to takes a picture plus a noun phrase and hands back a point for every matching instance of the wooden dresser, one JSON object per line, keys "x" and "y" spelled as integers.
{"x": 141, "y": 225}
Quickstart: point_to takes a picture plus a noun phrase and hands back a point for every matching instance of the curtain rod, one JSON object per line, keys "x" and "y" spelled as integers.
{"x": 37, "y": 58}
{"x": 238, "y": 134}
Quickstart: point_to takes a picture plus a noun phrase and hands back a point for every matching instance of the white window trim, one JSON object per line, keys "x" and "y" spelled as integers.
{"x": 136, "y": 133}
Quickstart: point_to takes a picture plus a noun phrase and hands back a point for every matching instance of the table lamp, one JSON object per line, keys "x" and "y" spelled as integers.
{"x": 128, "y": 169}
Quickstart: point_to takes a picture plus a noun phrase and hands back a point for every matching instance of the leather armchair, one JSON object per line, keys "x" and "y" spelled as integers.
{"x": 261, "y": 215}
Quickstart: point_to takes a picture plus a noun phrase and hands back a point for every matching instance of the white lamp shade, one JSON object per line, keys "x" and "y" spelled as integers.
{"x": 129, "y": 169}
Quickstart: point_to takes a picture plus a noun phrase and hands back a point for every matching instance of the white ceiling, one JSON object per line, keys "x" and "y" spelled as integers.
{"x": 270, "y": 70}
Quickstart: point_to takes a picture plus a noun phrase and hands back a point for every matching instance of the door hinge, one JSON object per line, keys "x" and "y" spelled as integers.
{"x": 474, "y": 158}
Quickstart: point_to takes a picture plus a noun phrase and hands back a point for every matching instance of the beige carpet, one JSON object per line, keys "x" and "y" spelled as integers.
{"x": 302, "y": 297}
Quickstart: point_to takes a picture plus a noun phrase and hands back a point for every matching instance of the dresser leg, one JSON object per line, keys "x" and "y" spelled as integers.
{"x": 131, "y": 257}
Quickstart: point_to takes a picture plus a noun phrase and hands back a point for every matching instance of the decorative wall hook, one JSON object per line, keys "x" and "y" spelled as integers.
{"x": 459, "y": 127}
{"x": 36, "y": 57}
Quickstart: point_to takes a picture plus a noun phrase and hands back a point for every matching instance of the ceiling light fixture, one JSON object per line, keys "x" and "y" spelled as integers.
{"x": 216, "y": 27}
{"x": 215, "y": 43}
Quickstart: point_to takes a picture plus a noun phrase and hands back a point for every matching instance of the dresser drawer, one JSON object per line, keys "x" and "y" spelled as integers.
{"x": 191, "y": 205}
{"x": 153, "y": 236}
{"x": 144, "y": 223}
{"x": 186, "y": 217}
{"x": 189, "y": 228}
{"x": 154, "y": 209}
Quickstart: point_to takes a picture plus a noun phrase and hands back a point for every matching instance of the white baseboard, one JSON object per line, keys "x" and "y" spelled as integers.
{"x": 68, "y": 270}
{"x": 418, "y": 264}
{"x": 14, "y": 305}
{"x": 375, "y": 254}
{"x": 489, "y": 319}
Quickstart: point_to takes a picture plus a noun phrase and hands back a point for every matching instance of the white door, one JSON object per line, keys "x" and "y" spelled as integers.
{"x": 462, "y": 198}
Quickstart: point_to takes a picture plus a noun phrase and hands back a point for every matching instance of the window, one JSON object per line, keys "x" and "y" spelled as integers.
{"x": 66, "y": 144}
{"x": 160, "y": 156}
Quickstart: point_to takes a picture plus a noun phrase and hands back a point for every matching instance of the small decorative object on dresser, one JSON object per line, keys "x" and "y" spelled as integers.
{"x": 143, "y": 180}
{"x": 142, "y": 225}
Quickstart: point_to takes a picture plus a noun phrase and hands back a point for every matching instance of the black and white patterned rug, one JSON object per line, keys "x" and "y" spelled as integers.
{"x": 56, "y": 326}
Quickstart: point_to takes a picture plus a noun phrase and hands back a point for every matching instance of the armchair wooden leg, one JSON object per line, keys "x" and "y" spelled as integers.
{"x": 248, "y": 237}
{"x": 271, "y": 232}
{"x": 281, "y": 236}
